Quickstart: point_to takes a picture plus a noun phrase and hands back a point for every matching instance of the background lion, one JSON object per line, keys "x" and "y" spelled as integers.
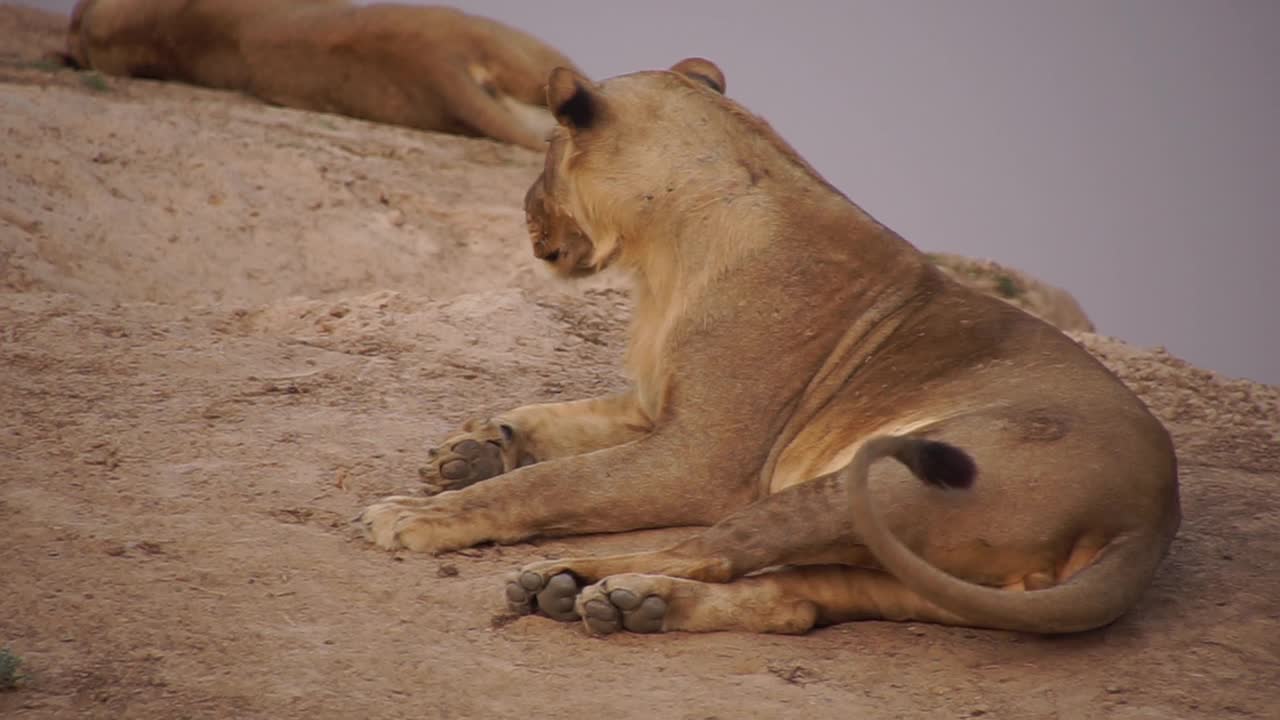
{"x": 783, "y": 341}
{"x": 432, "y": 68}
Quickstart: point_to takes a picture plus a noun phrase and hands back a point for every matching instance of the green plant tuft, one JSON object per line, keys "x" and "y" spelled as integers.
{"x": 94, "y": 81}
{"x": 9, "y": 674}
{"x": 1007, "y": 286}
{"x": 46, "y": 65}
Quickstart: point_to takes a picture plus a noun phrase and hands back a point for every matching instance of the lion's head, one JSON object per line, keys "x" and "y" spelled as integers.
{"x": 75, "y": 55}
{"x": 571, "y": 208}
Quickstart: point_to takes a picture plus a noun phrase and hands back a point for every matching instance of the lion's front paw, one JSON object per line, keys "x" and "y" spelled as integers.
{"x": 420, "y": 524}
{"x": 483, "y": 449}
{"x": 380, "y": 520}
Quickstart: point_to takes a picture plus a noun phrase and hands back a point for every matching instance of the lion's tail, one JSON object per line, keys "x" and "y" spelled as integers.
{"x": 1094, "y": 597}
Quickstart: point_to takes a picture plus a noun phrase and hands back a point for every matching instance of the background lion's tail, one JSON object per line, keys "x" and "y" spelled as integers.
{"x": 1094, "y": 597}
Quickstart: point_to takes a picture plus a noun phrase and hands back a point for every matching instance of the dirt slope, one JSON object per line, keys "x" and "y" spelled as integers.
{"x": 224, "y": 327}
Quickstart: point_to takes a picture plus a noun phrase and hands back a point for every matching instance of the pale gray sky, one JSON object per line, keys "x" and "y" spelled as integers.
{"x": 1126, "y": 150}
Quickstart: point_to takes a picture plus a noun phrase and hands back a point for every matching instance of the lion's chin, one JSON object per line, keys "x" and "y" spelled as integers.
{"x": 580, "y": 265}
{"x": 573, "y": 270}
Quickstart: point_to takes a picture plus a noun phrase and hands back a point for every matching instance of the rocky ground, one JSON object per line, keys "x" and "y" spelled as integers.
{"x": 225, "y": 327}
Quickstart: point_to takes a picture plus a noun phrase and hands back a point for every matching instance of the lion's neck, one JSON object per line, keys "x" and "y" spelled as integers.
{"x": 675, "y": 268}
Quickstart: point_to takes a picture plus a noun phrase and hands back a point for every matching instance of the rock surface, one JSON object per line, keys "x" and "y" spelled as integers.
{"x": 224, "y": 327}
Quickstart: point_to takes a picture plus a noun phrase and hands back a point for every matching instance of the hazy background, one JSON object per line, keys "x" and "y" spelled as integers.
{"x": 1126, "y": 150}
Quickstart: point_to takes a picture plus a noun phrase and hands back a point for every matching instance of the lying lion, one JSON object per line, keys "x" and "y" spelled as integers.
{"x": 432, "y": 68}
{"x": 783, "y": 342}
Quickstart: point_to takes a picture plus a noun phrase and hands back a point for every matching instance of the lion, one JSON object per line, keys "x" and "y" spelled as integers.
{"x": 431, "y": 68}
{"x": 783, "y": 342}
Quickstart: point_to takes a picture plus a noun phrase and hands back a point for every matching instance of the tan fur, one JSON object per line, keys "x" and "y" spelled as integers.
{"x": 782, "y": 342}
{"x": 432, "y": 68}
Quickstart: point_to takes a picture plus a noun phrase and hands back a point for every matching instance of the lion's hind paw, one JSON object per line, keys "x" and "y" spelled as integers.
{"x": 528, "y": 592}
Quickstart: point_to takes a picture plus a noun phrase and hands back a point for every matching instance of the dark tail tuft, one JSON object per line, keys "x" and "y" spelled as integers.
{"x": 939, "y": 464}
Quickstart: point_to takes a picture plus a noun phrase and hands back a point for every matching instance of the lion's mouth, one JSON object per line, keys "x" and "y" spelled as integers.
{"x": 568, "y": 250}
{"x": 581, "y": 271}
{"x": 571, "y": 264}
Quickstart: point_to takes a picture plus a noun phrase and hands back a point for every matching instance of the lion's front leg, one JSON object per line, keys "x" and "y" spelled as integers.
{"x": 642, "y": 484}
{"x": 481, "y": 450}
{"x": 532, "y": 434}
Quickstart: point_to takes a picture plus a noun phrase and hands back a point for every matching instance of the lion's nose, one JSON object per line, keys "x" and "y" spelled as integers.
{"x": 552, "y": 256}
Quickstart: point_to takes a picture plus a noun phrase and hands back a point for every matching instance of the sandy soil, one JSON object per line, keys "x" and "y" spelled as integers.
{"x": 225, "y": 327}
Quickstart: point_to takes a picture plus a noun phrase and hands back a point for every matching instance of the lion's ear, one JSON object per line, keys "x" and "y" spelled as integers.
{"x": 573, "y": 99}
{"x": 702, "y": 70}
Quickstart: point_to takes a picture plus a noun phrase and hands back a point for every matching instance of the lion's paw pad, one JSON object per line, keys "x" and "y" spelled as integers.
{"x": 555, "y": 597}
{"x": 473, "y": 459}
{"x": 608, "y": 611}
{"x": 463, "y": 463}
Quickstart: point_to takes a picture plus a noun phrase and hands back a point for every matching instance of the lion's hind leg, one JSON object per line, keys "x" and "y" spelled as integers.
{"x": 551, "y": 587}
{"x": 732, "y": 547}
{"x": 800, "y": 527}
{"x": 790, "y": 600}
{"x": 660, "y": 603}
